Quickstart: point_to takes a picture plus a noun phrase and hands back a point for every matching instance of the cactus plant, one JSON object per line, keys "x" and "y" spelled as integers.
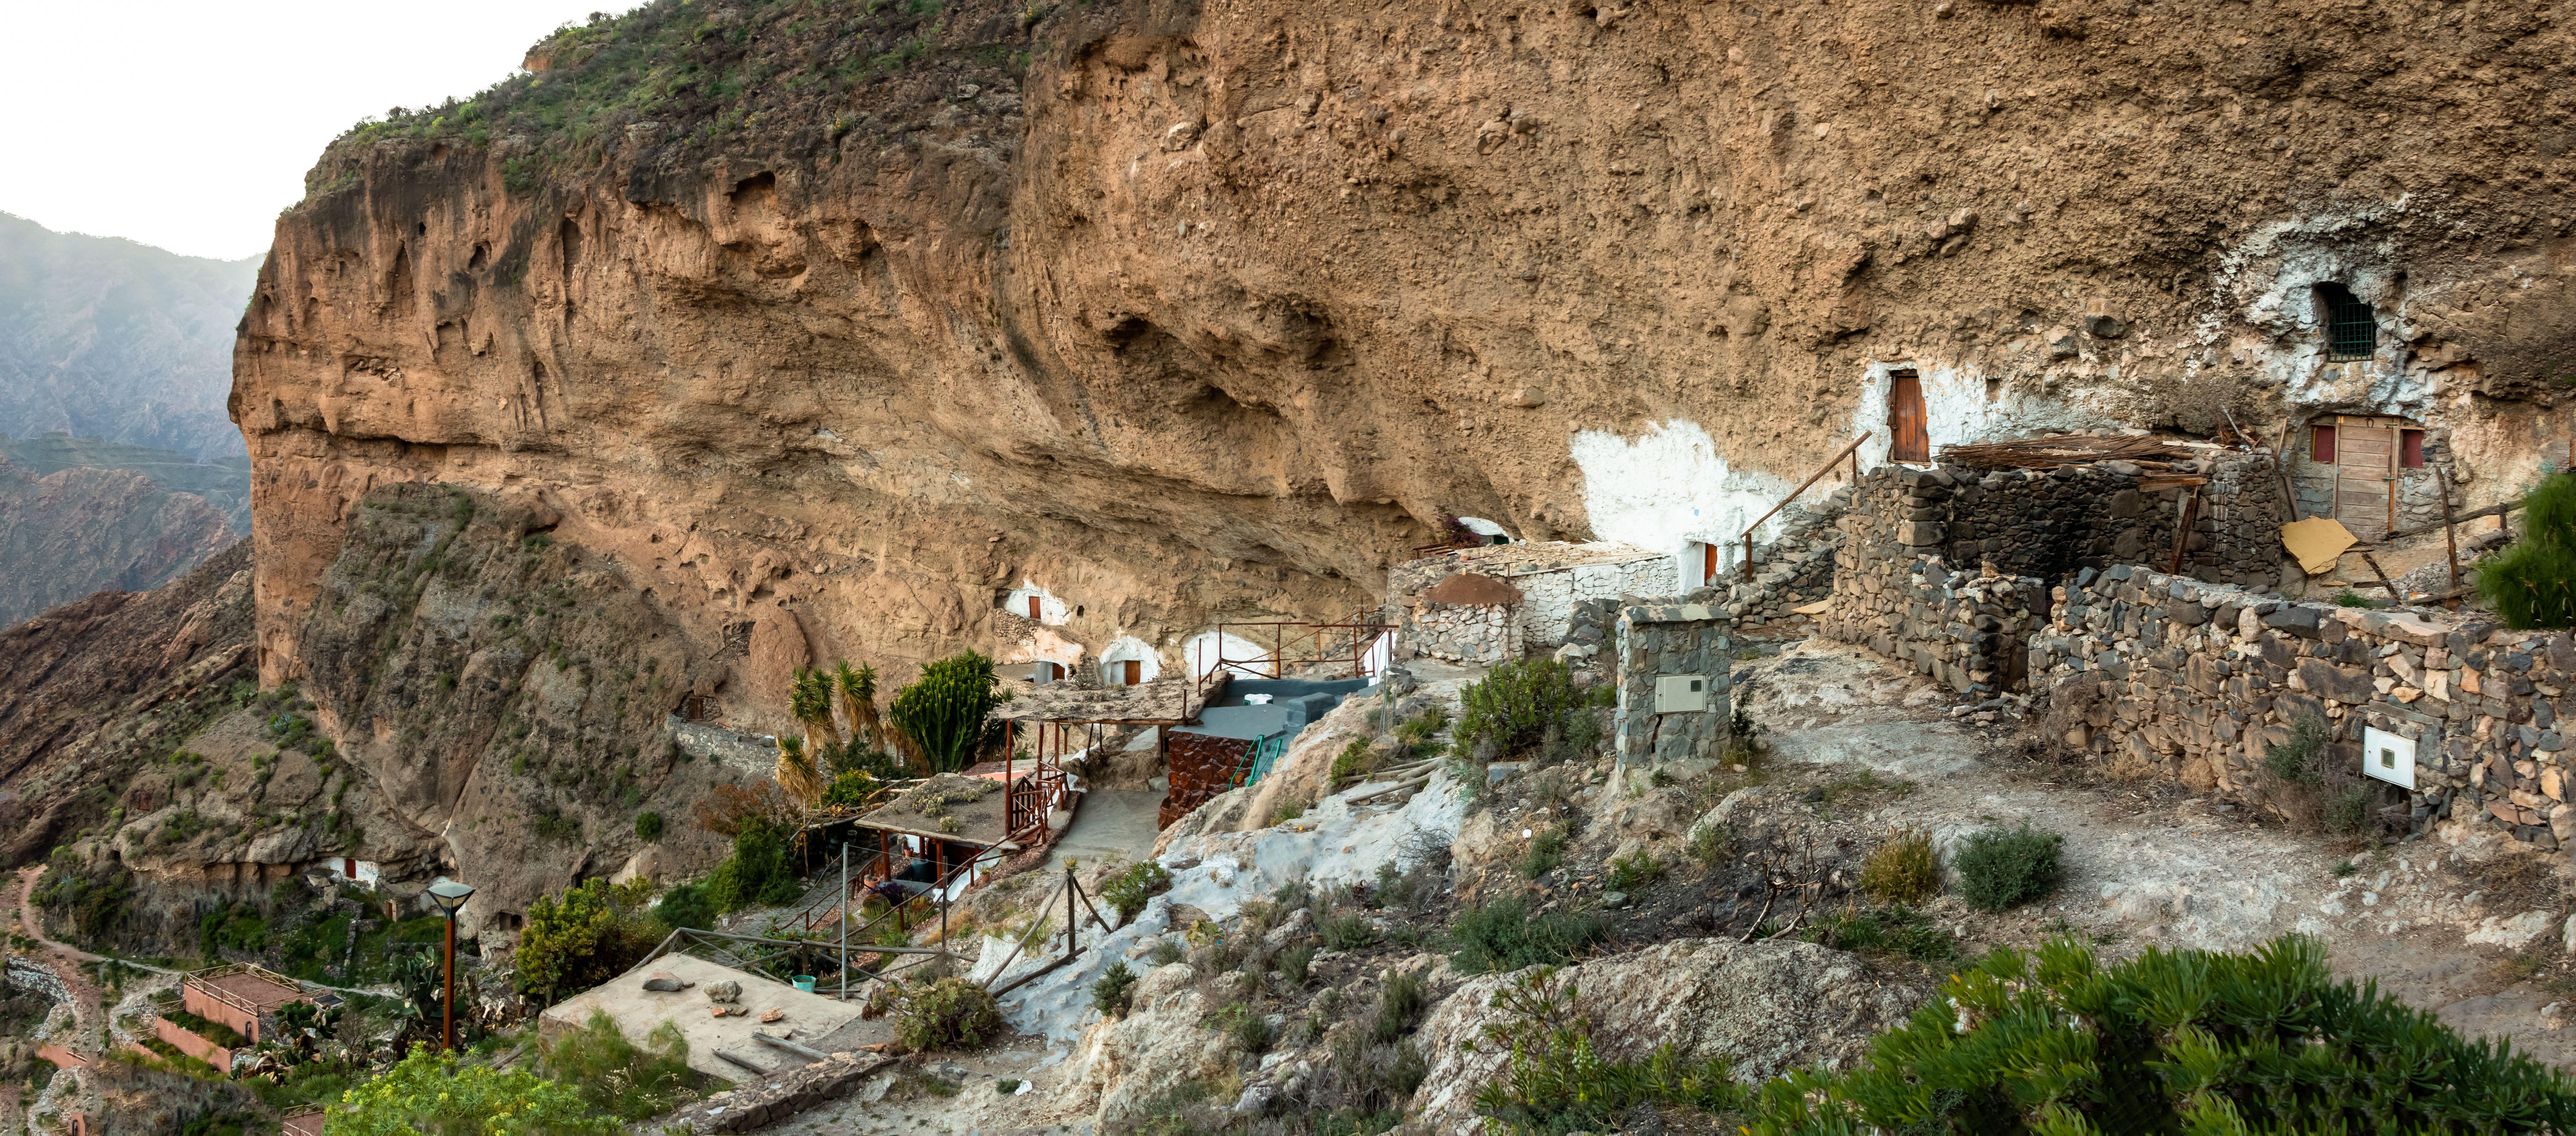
{"x": 947, "y": 714}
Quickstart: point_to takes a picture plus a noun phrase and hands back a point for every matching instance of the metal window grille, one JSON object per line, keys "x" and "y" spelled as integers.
{"x": 2352, "y": 329}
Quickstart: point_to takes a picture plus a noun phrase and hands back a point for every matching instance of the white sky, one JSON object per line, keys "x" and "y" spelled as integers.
{"x": 189, "y": 124}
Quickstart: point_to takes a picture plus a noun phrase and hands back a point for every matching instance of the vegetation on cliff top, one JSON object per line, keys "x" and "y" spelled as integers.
{"x": 683, "y": 74}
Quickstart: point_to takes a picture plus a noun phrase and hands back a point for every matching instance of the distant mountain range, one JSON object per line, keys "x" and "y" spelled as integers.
{"x": 104, "y": 337}
{"x": 118, "y": 465}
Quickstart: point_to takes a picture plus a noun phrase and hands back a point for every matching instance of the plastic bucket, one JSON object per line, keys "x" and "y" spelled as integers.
{"x": 805, "y": 982}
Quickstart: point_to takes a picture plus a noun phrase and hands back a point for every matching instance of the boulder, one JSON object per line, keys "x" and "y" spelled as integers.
{"x": 1767, "y": 1008}
{"x": 725, "y": 991}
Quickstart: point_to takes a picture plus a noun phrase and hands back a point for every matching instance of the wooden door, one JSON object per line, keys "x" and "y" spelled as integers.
{"x": 1135, "y": 672}
{"x": 1708, "y": 567}
{"x": 1033, "y": 607}
{"x": 2366, "y": 476}
{"x": 1909, "y": 438}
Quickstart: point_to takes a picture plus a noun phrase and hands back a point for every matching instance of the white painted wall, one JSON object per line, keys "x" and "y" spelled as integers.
{"x": 1201, "y": 654}
{"x": 1955, "y": 411}
{"x": 1051, "y": 611}
{"x": 1482, "y": 527}
{"x": 1126, "y": 648}
{"x": 1670, "y": 490}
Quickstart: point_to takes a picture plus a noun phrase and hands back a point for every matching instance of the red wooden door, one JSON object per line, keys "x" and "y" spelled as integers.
{"x": 1708, "y": 566}
{"x": 1033, "y": 607}
{"x": 1908, "y": 438}
{"x": 1135, "y": 672}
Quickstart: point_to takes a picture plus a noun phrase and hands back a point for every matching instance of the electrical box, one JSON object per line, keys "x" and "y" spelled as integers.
{"x": 1681, "y": 694}
{"x": 2387, "y": 757}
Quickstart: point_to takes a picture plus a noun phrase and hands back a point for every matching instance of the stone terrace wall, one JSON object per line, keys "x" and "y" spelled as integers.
{"x": 1967, "y": 631}
{"x": 2197, "y": 679}
{"x": 2050, "y": 523}
{"x": 1795, "y": 569}
{"x": 1671, "y": 639}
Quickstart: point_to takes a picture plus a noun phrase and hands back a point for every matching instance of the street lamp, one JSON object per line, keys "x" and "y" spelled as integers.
{"x": 449, "y": 895}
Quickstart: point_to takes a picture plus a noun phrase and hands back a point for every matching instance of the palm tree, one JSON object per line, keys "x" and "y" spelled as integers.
{"x": 809, "y": 699}
{"x": 858, "y": 689}
{"x": 795, "y": 771}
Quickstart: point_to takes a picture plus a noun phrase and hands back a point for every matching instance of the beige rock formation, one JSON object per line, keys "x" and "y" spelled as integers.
{"x": 1196, "y": 312}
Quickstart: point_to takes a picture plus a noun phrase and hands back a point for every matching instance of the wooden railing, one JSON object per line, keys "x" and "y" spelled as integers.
{"x": 1850, "y": 451}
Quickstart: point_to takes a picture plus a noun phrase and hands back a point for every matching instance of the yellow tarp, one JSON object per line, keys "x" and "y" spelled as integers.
{"x": 2317, "y": 542}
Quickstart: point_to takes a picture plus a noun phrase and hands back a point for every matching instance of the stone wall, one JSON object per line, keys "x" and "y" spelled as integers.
{"x": 1552, "y": 577}
{"x": 1671, "y": 639}
{"x": 1465, "y": 633}
{"x": 1966, "y": 630}
{"x": 2195, "y": 680}
{"x": 2050, "y": 523}
{"x": 1795, "y": 569}
{"x": 1201, "y": 766}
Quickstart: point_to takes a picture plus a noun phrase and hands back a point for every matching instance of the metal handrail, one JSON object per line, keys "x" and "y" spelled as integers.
{"x": 1847, "y": 451}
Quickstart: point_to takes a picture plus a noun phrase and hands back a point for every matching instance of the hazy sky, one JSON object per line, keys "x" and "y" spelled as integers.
{"x": 188, "y": 125}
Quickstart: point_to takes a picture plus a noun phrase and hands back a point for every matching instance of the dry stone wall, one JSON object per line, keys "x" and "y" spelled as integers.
{"x": 1466, "y": 633}
{"x": 1553, "y": 579}
{"x": 2196, "y": 680}
{"x": 1966, "y": 630}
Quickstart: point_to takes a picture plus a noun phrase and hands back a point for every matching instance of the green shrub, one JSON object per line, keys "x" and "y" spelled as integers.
{"x": 2002, "y": 868}
{"x": 1347, "y": 932}
{"x": 1899, "y": 929}
{"x": 2347, "y": 810}
{"x": 757, "y": 873}
{"x": 1167, "y": 952}
{"x": 1546, "y": 852}
{"x": 1130, "y": 889}
{"x": 1296, "y": 963}
{"x": 2301, "y": 759}
{"x": 648, "y": 827}
{"x": 1905, "y": 869}
{"x": 1504, "y": 936}
{"x": 945, "y": 1013}
{"x": 686, "y": 905}
{"x": 428, "y": 1094}
{"x": 1355, "y": 760}
{"x": 948, "y": 711}
{"x": 1399, "y": 1008}
{"x": 852, "y": 789}
{"x": 1516, "y": 702}
{"x": 1635, "y": 870}
{"x": 2181, "y": 1041}
{"x": 1559, "y": 1080}
{"x": 590, "y": 935}
{"x": 1249, "y": 1030}
{"x": 1710, "y": 843}
{"x": 2527, "y": 583}
{"x": 1115, "y": 991}
{"x": 618, "y": 1077}
{"x": 1288, "y": 810}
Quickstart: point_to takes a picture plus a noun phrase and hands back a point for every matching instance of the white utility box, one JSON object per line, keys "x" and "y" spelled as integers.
{"x": 1681, "y": 694}
{"x": 2388, "y": 757}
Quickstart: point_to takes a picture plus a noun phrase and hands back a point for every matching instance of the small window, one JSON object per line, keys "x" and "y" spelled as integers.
{"x": 2410, "y": 449}
{"x": 2352, "y": 328}
{"x": 2321, "y": 444}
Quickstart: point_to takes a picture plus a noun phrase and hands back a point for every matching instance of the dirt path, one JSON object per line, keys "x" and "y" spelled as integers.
{"x": 61, "y": 959}
{"x": 2435, "y": 922}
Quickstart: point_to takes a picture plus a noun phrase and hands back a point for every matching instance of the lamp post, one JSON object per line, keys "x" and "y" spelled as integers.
{"x": 449, "y": 895}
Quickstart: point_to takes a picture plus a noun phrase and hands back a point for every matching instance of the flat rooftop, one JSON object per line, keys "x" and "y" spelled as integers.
{"x": 811, "y": 1020}
{"x": 975, "y": 803}
{"x": 254, "y": 988}
{"x": 1167, "y": 701}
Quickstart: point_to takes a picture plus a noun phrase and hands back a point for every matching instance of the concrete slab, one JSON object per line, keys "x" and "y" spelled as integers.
{"x": 1111, "y": 823}
{"x": 639, "y": 1012}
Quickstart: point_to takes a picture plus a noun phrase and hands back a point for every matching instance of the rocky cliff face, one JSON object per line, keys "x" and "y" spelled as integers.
{"x": 828, "y": 328}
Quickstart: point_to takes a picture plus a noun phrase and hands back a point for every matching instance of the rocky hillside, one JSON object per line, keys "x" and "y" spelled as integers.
{"x": 81, "y": 514}
{"x": 1190, "y": 311}
{"x": 103, "y": 336}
